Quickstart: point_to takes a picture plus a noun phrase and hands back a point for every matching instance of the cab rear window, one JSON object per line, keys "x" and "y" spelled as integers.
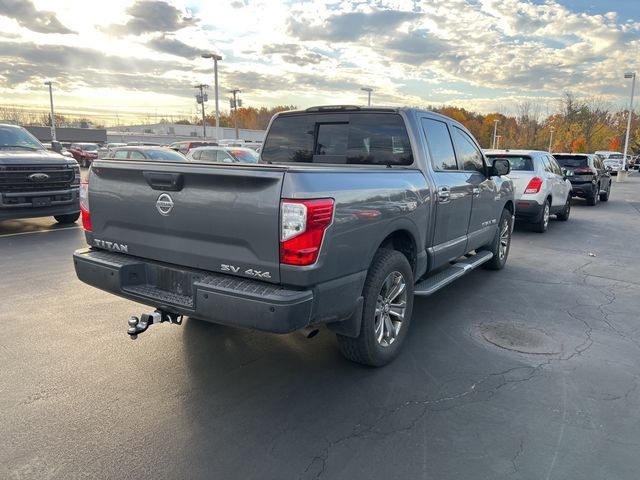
{"x": 353, "y": 138}
{"x": 518, "y": 162}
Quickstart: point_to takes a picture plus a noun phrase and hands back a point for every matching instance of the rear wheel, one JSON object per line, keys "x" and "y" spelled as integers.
{"x": 501, "y": 243}
{"x": 595, "y": 195}
{"x": 71, "y": 218}
{"x": 605, "y": 196}
{"x": 386, "y": 312}
{"x": 541, "y": 225}
{"x": 563, "y": 216}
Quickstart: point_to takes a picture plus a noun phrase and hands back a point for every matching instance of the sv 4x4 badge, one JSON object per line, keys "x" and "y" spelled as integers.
{"x": 251, "y": 272}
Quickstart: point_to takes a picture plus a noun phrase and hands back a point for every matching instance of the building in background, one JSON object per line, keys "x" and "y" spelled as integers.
{"x": 164, "y": 133}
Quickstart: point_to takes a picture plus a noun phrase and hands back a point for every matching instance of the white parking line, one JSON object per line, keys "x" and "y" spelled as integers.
{"x": 39, "y": 231}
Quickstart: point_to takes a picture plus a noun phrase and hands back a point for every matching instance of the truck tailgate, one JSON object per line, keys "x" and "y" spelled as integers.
{"x": 211, "y": 217}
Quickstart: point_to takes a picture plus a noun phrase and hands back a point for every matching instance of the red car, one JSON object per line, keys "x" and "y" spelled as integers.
{"x": 84, "y": 153}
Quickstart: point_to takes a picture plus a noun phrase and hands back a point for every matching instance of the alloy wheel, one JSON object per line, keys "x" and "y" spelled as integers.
{"x": 390, "y": 309}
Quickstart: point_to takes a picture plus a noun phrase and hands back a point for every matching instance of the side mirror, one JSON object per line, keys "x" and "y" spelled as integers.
{"x": 608, "y": 168}
{"x": 500, "y": 167}
{"x": 567, "y": 172}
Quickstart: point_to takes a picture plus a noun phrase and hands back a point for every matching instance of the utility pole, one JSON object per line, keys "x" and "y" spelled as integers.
{"x": 495, "y": 131}
{"x": 216, "y": 58}
{"x": 235, "y": 103}
{"x": 53, "y": 115}
{"x": 551, "y": 130}
{"x": 201, "y": 98}
{"x": 498, "y": 141}
{"x": 622, "y": 174}
{"x": 368, "y": 90}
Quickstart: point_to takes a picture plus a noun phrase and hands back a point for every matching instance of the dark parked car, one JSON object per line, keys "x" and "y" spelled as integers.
{"x": 416, "y": 206}
{"x": 145, "y": 153}
{"x": 35, "y": 182}
{"x": 84, "y": 153}
{"x": 589, "y": 177}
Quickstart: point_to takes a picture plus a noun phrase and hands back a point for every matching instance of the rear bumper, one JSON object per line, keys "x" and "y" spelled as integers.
{"x": 528, "y": 210}
{"x": 209, "y": 296}
{"x": 586, "y": 189}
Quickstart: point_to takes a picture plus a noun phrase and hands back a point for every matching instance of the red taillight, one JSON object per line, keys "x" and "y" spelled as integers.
{"x": 84, "y": 205}
{"x": 534, "y": 185}
{"x": 302, "y": 227}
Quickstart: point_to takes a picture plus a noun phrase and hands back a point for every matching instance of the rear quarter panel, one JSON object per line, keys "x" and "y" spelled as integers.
{"x": 370, "y": 204}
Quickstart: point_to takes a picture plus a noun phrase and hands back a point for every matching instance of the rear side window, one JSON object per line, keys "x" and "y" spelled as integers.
{"x": 518, "y": 162}
{"x": 572, "y": 161}
{"x": 121, "y": 154}
{"x": 469, "y": 155}
{"x": 440, "y": 146}
{"x": 354, "y": 138}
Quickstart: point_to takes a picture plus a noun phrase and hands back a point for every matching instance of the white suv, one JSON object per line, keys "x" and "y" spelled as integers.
{"x": 540, "y": 186}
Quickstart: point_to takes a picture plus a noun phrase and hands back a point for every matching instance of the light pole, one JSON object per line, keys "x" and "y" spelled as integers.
{"x": 234, "y": 104}
{"x": 201, "y": 98}
{"x": 551, "y": 130}
{"x": 498, "y": 141}
{"x": 622, "y": 174}
{"x": 215, "y": 73}
{"x": 368, "y": 90}
{"x": 53, "y": 115}
{"x": 495, "y": 131}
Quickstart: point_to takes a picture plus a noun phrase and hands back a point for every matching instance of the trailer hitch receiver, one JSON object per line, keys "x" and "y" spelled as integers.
{"x": 139, "y": 325}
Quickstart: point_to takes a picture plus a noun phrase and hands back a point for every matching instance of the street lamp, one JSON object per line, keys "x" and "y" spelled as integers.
{"x": 632, "y": 76}
{"x": 53, "y": 116}
{"x": 495, "y": 131}
{"x": 551, "y": 130}
{"x": 215, "y": 57}
{"x": 368, "y": 90}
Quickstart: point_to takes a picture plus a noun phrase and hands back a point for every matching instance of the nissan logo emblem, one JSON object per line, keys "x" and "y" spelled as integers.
{"x": 164, "y": 204}
{"x": 38, "y": 177}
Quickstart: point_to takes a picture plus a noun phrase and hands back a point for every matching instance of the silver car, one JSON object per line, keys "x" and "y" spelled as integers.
{"x": 540, "y": 186}
{"x": 223, "y": 155}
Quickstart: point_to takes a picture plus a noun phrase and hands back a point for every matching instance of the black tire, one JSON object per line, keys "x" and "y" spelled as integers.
{"x": 563, "y": 216}
{"x": 498, "y": 260}
{"x": 366, "y": 348}
{"x": 604, "y": 197}
{"x": 543, "y": 223}
{"x": 70, "y": 218}
{"x": 592, "y": 199}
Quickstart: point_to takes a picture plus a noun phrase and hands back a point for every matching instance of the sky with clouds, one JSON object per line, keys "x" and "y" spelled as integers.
{"x": 143, "y": 56}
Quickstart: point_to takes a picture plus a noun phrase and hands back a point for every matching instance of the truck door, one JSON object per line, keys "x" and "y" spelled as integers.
{"x": 453, "y": 194}
{"x": 486, "y": 208}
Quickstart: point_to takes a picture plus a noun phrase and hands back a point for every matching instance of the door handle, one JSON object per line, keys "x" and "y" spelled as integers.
{"x": 444, "y": 195}
{"x": 171, "y": 182}
{"x": 476, "y": 191}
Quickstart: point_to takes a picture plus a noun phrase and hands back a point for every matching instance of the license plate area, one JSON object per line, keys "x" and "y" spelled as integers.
{"x": 41, "y": 202}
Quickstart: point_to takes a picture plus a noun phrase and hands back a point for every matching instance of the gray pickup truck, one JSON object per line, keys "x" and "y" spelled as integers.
{"x": 349, "y": 214}
{"x": 35, "y": 182}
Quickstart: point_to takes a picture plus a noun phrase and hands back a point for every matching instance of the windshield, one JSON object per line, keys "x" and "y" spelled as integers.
{"x": 168, "y": 155}
{"x": 89, "y": 147}
{"x": 518, "y": 162}
{"x": 19, "y": 139}
{"x": 572, "y": 161}
{"x": 246, "y": 156}
{"x": 612, "y": 162}
{"x": 613, "y": 156}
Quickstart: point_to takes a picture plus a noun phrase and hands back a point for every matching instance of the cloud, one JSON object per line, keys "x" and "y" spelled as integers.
{"x": 349, "y": 27}
{"x": 151, "y": 16}
{"x": 27, "y": 16}
{"x": 418, "y": 47}
{"x": 293, "y": 53}
{"x": 173, "y": 46}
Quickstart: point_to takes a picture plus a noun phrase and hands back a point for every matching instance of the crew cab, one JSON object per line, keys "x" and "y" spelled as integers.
{"x": 541, "y": 187}
{"x": 35, "y": 182}
{"x": 350, "y": 213}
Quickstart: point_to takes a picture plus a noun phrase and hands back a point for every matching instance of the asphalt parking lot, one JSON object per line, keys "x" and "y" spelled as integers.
{"x": 527, "y": 373}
